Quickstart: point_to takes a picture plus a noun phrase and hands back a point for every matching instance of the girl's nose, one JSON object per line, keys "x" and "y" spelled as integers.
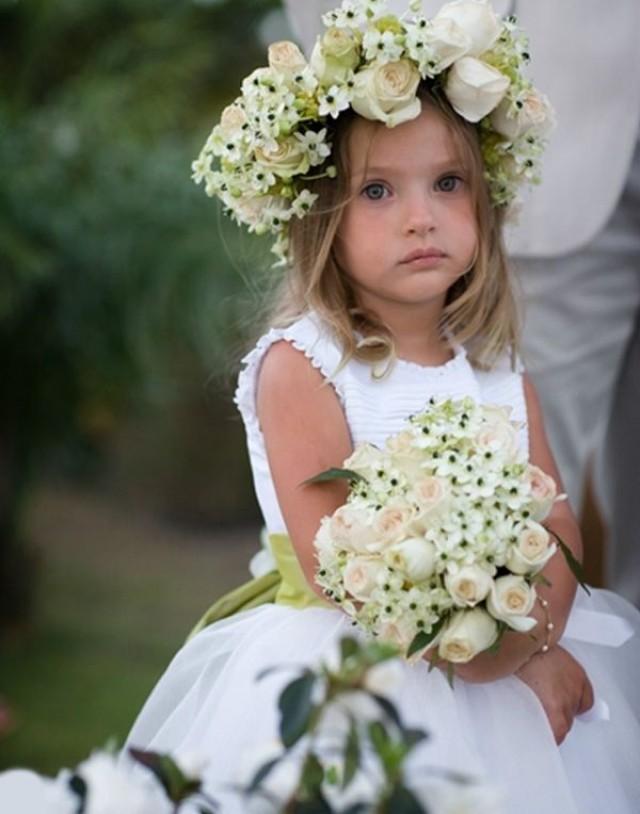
{"x": 420, "y": 215}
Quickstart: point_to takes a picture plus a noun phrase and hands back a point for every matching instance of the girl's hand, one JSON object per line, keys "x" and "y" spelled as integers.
{"x": 561, "y": 685}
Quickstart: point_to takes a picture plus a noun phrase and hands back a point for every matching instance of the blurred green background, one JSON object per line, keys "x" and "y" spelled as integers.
{"x": 126, "y": 501}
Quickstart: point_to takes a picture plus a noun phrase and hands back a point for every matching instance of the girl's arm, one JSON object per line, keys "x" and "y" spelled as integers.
{"x": 305, "y": 432}
{"x": 517, "y": 648}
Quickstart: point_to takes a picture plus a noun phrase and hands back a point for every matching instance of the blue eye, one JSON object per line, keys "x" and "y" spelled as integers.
{"x": 449, "y": 183}
{"x": 375, "y": 191}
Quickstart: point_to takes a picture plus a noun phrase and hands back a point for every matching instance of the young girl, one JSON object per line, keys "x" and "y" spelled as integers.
{"x": 397, "y": 289}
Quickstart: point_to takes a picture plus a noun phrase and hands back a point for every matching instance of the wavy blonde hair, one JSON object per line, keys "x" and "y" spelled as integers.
{"x": 480, "y": 307}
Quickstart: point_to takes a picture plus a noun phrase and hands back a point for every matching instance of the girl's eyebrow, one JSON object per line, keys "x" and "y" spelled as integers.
{"x": 381, "y": 169}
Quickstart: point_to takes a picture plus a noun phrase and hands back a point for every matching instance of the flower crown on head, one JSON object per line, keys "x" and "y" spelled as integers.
{"x": 273, "y": 139}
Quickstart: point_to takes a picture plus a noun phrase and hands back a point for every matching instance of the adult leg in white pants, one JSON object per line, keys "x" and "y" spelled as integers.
{"x": 620, "y": 475}
{"x": 580, "y": 311}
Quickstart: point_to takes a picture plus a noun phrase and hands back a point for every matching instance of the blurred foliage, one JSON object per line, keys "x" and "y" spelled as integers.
{"x": 114, "y": 267}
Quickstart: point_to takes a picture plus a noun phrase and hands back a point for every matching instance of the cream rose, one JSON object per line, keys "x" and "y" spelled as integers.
{"x": 432, "y": 496}
{"x": 397, "y": 633}
{"x": 430, "y": 492}
{"x": 510, "y": 600}
{"x": 361, "y": 576}
{"x": 387, "y": 93}
{"x": 474, "y": 88}
{"x": 415, "y": 557}
{"x": 366, "y": 460}
{"x": 532, "y": 551}
{"x": 543, "y": 491}
{"x": 535, "y": 116}
{"x": 286, "y": 58}
{"x": 498, "y": 436}
{"x": 335, "y": 54}
{"x": 350, "y": 529}
{"x": 469, "y": 585}
{"x": 232, "y": 121}
{"x": 286, "y": 159}
{"x": 467, "y": 633}
{"x": 476, "y": 19}
{"x": 391, "y": 523}
{"x": 404, "y": 454}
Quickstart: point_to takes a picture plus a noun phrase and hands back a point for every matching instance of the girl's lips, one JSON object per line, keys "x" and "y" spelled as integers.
{"x": 423, "y": 254}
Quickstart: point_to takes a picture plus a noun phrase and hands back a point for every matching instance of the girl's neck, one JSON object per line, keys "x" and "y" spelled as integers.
{"x": 417, "y": 332}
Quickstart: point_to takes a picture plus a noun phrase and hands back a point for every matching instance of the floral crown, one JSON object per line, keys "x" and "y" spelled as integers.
{"x": 274, "y": 138}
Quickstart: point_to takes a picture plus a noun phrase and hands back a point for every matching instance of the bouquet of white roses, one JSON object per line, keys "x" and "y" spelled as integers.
{"x": 440, "y": 542}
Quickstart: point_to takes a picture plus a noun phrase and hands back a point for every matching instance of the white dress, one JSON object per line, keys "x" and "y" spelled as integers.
{"x": 209, "y": 701}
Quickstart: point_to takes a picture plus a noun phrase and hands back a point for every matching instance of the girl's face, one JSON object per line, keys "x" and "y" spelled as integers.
{"x": 409, "y": 230}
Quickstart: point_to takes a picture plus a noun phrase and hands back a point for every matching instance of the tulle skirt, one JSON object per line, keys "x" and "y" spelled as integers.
{"x": 209, "y": 701}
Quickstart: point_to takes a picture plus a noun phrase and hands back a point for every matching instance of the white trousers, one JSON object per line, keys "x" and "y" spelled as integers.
{"x": 581, "y": 345}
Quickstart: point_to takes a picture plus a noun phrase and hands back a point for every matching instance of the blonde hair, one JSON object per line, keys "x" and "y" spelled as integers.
{"x": 480, "y": 308}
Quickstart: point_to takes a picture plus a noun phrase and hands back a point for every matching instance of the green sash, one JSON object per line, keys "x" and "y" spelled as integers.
{"x": 285, "y": 586}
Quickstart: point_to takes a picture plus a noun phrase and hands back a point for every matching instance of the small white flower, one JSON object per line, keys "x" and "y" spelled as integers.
{"x": 351, "y": 14}
{"x": 201, "y": 167}
{"x": 382, "y": 46}
{"x": 303, "y": 203}
{"x": 332, "y": 102}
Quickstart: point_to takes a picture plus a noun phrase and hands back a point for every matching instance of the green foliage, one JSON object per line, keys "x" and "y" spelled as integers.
{"x": 304, "y": 706}
{"x": 114, "y": 270}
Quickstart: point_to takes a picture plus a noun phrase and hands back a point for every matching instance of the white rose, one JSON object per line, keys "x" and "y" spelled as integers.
{"x": 447, "y": 42}
{"x": 478, "y": 21}
{"x": 366, "y": 460}
{"x": 511, "y": 600}
{"x": 391, "y": 523}
{"x": 387, "y": 93}
{"x": 280, "y": 783}
{"x": 467, "y": 633}
{"x": 474, "y": 88}
{"x": 382, "y": 678}
{"x": 115, "y": 786}
{"x": 532, "y": 551}
{"x": 286, "y": 58}
{"x": 25, "y": 792}
{"x": 350, "y": 529}
{"x": 360, "y": 576}
{"x": 535, "y": 116}
{"x": 415, "y": 557}
{"x": 543, "y": 491}
{"x": 232, "y": 120}
{"x": 469, "y": 585}
{"x": 286, "y": 158}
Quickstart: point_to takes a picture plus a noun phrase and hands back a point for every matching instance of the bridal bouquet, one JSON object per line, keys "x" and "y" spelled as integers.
{"x": 440, "y": 542}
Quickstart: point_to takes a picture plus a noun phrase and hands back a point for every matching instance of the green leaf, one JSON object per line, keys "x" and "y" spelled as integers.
{"x": 263, "y": 772}
{"x": 413, "y": 736}
{"x": 296, "y": 708}
{"x": 312, "y": 776}
{"x": 79, "y": 787}
{"x": 389, "y": 709}
{"x": 403, "y": 801}
{"x": 422, "y": 639}
{"x": 575, "y": 566}
{"x": 351, "y": 755}
{"x": 334, "y": 474}
{"x": 379, "y": 738}
{"x": 349, "y": 647}
{"x": 450, "y": 674}
{"x": 177, "y": 786}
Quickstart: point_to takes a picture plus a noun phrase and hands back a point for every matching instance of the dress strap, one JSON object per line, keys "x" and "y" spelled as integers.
{"x": 308, "y": 335}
